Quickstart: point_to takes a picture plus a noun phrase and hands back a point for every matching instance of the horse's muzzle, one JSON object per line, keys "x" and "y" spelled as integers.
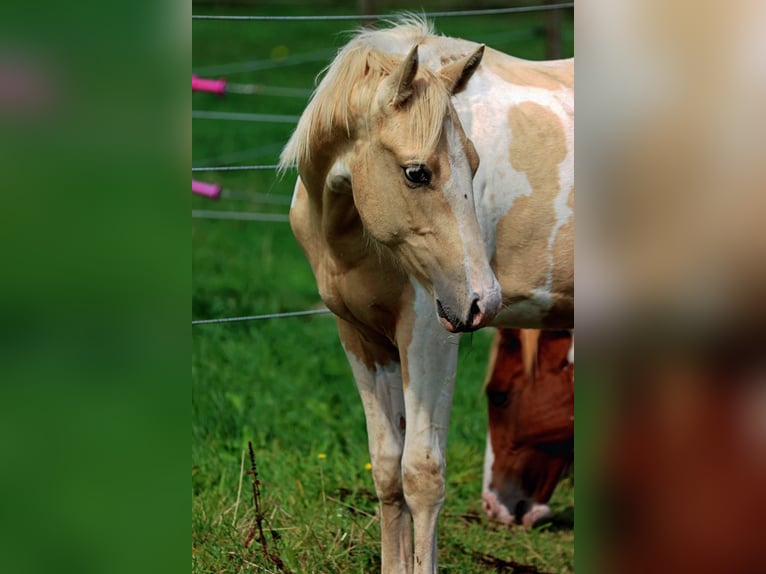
{"x": 477, "y": 316}
{"x": 527, "y": 513}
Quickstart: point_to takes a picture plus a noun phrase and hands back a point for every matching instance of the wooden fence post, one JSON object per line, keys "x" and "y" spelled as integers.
{"x": 368, "y": 7}
{"x": 552, "y": 32}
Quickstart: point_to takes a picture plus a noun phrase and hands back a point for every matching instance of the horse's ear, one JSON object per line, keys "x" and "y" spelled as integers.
{"x": 399, "y": 83}
{"x": 339, "y": 178}
{"x": 457, "y": 74}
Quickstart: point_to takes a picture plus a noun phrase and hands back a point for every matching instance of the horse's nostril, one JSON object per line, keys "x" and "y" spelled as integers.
{"x": 474, "y": 308}
{"x": 474, "y": 311}
{"x": 453, "y": 318}
{"x": 520, "y": 510}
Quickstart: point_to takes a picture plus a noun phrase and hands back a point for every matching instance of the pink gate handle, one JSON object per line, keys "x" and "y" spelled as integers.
{"x": 211, "y": 190}
{"x": 211, "y": 86}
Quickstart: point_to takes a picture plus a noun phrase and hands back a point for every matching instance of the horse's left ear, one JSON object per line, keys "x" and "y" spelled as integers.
{"x": 398, "y": 86}
{"x": 457, "y": 74}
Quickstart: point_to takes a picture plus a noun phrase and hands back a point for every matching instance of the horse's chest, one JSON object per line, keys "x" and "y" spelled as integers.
{"x": 365, "y": 294}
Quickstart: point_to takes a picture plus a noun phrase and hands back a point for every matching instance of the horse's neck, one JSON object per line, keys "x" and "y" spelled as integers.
{"x": 350, "y": 268}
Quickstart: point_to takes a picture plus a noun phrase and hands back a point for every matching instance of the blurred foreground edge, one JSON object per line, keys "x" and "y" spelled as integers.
{"x": 671, "y": 282}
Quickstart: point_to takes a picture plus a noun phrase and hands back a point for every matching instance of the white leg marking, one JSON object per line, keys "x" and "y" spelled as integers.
{"x": 431, "y": 362}
{"x": 381, "y": 394}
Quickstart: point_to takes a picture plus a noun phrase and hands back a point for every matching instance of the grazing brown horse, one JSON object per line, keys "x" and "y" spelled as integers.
{"x": 530, "y": 391}
{"x": 435, "y": 197}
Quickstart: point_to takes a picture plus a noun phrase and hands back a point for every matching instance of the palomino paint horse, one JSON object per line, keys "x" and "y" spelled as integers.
{"x": 530, "y": 443}
{"x": 435, "y": 196}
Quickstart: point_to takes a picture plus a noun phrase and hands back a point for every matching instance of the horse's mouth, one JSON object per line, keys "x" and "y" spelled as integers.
{"x": 452, "y": 322}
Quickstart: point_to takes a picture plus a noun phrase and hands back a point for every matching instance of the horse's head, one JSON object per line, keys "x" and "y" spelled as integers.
{"x": 410, "y": 168}
{"x": 530, "y": 393}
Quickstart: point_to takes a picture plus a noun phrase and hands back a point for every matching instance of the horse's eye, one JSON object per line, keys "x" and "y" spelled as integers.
{"x": 417, "y": 174}
{"x": 497, "y": 398}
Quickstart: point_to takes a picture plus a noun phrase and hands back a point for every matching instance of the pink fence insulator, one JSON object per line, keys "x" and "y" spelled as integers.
{"x": 211, "y": 86}
{"x": 211, "y": 190}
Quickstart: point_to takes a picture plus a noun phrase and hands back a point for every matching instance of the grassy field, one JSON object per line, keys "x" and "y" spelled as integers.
{"x": 284, "y": 384}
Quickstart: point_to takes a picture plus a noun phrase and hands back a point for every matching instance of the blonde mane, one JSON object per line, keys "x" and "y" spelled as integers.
{"x": 344, "y": 99}
{"x": 530, "y": 341}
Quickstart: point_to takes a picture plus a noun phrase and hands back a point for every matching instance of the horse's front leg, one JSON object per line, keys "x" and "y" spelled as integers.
{"x": 429, "y": 361}
{"x": 378, "y": 376}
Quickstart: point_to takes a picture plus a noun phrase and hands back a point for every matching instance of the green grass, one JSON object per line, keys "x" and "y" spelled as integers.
{"x": 285, "y": 384}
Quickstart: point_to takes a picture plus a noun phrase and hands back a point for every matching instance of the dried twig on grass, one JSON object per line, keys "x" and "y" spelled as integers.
{"x": 253, "y": 472}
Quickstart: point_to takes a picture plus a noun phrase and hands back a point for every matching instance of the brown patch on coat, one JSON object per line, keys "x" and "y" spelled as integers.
{"x": 561, "y": 312}
{"x": 546, "y": 75}
{"x": 538, "y": 146}
{"x": 563, "y": 254}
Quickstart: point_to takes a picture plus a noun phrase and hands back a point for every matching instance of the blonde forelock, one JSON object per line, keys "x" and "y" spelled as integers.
{"x": 344, "y": 100}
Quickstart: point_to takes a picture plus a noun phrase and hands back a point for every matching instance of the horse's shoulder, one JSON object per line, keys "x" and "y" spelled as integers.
{"x": 355, "y": 281}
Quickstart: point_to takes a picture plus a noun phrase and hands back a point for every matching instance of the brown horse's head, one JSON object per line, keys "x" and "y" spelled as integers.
{"x": 530, "y": 391}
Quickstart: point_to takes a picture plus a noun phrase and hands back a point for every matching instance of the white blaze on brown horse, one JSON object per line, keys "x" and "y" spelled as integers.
{"x": 530, "y": 443}
{"x": 424, "y": 213}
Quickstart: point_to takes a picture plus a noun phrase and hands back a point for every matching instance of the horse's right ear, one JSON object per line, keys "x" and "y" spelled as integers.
{"x": 457, "y": 74}
{"x": 398, "y": 86}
